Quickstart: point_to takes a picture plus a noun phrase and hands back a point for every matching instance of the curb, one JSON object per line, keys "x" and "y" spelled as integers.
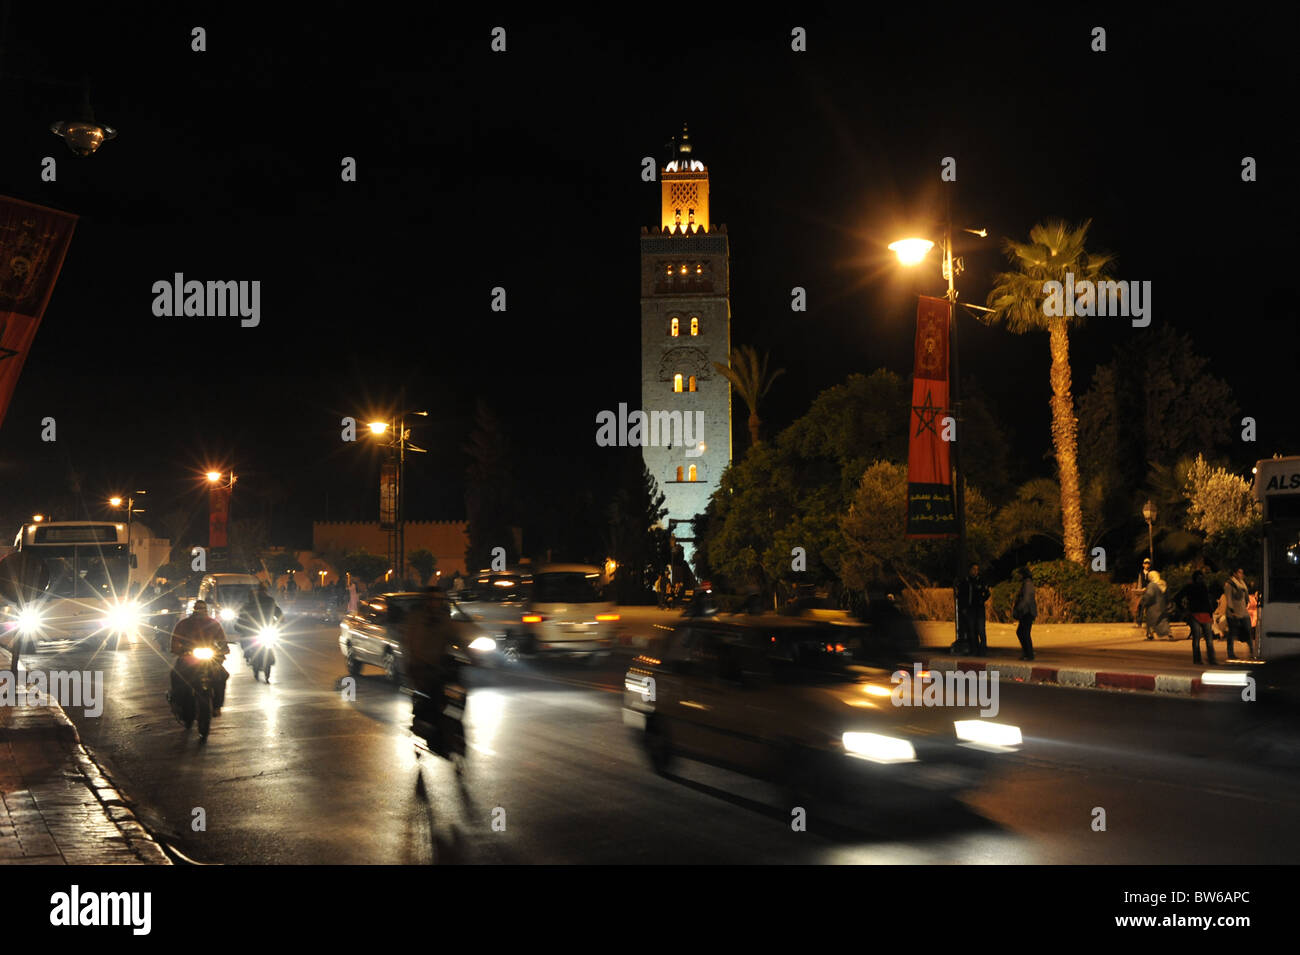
{"x": 1163, "y": 684}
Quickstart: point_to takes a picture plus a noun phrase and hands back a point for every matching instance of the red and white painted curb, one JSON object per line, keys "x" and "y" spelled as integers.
{"x": 1171, "y": 684}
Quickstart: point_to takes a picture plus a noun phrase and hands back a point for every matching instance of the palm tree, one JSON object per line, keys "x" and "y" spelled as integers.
{"x": 1053, "y": 251}
{"x": 748, "y": 374}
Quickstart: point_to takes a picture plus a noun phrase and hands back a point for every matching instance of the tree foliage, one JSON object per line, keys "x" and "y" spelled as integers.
{"x": 423, "y": 562}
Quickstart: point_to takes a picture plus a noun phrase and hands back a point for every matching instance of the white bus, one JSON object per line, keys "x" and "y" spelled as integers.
{"x": 87, "y": 597}
{"x": 1277, "y": 488}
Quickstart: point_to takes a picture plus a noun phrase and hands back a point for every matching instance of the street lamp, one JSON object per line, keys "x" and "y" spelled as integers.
{"x": 82, "y": 134}
{"x": 131, "y": 510}
{"x": 912, "y": 252}
{"x": 214, "y": 478}
{"x": 399, "y": 442}
{"x": 1149, "y": 512}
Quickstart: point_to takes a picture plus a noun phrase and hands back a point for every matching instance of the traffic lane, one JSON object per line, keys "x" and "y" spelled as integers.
{"x": 552, "y": 763}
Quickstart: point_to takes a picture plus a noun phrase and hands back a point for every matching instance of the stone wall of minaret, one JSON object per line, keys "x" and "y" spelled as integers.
{"x": 685, "y": 276}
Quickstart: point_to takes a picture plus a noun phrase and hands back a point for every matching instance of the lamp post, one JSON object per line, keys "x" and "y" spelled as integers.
{"x": 913, "y": 252}
{"x": 1149, "y": 512}
{"x": 399, "y": 442}
{"x": 131, "y": 511}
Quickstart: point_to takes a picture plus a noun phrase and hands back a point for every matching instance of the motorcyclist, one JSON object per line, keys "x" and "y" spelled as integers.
{"x": 430, "y": 636}
{"x": 199, "y": 630}
{"x": 261, "y": 610}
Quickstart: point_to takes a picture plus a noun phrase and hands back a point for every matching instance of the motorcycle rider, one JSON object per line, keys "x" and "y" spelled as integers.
{"x": 430, "y": 636}
{"x": 199, "y": 630}
{"x": 261, "y": 610}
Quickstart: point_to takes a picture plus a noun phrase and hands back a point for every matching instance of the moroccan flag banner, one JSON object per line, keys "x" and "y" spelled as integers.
{"x": 218, "y": 516}
{"x": 931, "y": 511}
{"x": 388, "y": 496}
{"x": 33, "y": 242}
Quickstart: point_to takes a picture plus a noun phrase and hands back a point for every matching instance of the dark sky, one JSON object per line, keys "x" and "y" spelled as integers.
{"x": 523, "y": 170}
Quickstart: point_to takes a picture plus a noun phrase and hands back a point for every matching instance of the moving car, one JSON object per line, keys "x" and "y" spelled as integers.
{"x": 567, "y": 615}
{"x": 497, "y": 602}
{"x": 225, "y": 595}
{"x": 373, "y": 635}
{"x": 808, "y": 704}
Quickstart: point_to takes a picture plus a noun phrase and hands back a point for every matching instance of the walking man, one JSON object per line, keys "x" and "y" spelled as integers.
{"x": 1141, "y": 589}
{"x": 1238, "y": 611}
{"x": 1195, "y": 597}
{"x": 972, "y": 595}
{"x": 1025, "y": 612}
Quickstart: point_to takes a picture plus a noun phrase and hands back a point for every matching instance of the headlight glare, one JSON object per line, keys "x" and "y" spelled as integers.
{"x": 878, "y": 748}
{"x": 484, "y": 644}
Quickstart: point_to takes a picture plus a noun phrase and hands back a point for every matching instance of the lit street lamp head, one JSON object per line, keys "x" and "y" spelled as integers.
{"x": 115, "y": 502}
{"x": 214, "y": 477}
{"x": 911, "y": 251}
{"x": 378, "y": 427}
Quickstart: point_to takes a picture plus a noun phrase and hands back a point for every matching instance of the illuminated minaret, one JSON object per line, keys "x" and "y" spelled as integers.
{"x": 685, "y": 328}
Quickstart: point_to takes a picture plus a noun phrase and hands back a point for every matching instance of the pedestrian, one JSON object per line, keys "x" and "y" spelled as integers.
{"x": 1238, "y": 595}
{"x": 1025, "y": 612}
{"x": 1195, "y": 599}
{"x": 1140, "y": 590}
{"x": 1155, "y": 605}
{"x": 972, "y": 595}
{"x": 353, "y": 600}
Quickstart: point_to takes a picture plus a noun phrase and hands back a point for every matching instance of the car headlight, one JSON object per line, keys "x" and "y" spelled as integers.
{"x": 122, "y": 618}
{"x": 268, "y": 635}
{"x": 227, "y": 614}
{"x": 877, "y": 748}
{"x": 30, "y": 620}
{"x": 995, "y": 736}
{"x": 203, "y": 653}
{"x": 485, "y": 644}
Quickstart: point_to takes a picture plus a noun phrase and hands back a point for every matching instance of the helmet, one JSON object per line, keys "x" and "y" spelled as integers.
{"x": 200, "y": 607}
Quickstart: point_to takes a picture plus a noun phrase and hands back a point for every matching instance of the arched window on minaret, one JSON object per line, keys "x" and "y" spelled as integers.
{"x": 675, "y": 332}
{"x": 692, "y": 383}
{"x": 679, "y": 218}
{"x": 691, "y": 220}
{"x": 677, "y": 383}
{"x": 695, "y": 326}
{"x": 679, "y": 473}
{"x": 694, "y": 476}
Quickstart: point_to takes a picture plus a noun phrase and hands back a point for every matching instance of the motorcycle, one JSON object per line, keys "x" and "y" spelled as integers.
{"x": 194, "y": 688}
{"x": 442, "y": 733}
{"x": 258, "y": 638}
{"x": 259, "y": 649}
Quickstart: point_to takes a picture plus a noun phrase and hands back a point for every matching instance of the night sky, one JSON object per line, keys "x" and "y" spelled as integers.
{"x": 522, "y": 170}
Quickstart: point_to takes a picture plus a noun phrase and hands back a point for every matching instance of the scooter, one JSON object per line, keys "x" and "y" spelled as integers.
{"x": 259, "y": 649}
{"x": 442, "y": 733}
{"x": 194, "y": 684}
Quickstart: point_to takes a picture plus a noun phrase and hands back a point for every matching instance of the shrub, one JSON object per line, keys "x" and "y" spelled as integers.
{"x": 927, "y": 603}
{"x": 1073, "y": 595}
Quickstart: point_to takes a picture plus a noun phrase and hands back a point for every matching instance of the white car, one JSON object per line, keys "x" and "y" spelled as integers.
{"x": 567, "y": 615}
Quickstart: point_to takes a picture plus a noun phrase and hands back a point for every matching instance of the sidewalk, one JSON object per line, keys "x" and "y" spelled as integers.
{"x": 1113, "y": 656}
{"x": 56, "y": 805}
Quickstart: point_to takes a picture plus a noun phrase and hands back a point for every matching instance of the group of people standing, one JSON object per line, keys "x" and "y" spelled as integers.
{"x": 1232, "y": 614}
{"x": 972, "y": 595}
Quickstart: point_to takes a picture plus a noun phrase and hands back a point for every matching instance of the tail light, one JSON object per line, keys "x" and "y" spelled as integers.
{"x": 606, "y": 616}
{"x": 532, "y": 618}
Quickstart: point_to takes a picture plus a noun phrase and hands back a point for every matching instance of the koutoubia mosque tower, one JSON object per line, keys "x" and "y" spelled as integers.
{"x": 685, "y": 328}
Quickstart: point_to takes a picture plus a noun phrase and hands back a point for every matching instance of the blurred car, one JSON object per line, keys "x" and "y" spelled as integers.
{"x": 497, "y": 602}
{"x": 567, "y": 615}
{"x": 225, "y": 595}
{"x": 806, "y": 704}
{"x": 373, "y": 635}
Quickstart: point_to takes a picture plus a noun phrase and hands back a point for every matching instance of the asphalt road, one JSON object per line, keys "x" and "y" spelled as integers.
{"x": 295, "y": 773}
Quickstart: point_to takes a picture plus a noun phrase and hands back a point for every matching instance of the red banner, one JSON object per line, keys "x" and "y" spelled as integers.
{"x": 931, "y": 511}
{"x": 33, "y": 242}
{"x": 388, "y": 496}
{"x": 218, "y": 516}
